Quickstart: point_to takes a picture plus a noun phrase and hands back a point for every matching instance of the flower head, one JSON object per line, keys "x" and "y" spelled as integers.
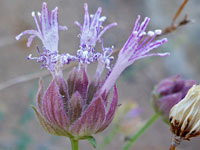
{"x": 47, "y": 30}
{"x": 80, "y": 107}
{"x": 91, "y": 32}
{"x": 138, "y": 46}
{"x": 168, "y": 93}
{"x": 75, "y": 108}
{"x": 185, "y": 117}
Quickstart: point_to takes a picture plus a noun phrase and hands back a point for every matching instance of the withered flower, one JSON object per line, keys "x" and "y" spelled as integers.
{"x": 185, "y": 117}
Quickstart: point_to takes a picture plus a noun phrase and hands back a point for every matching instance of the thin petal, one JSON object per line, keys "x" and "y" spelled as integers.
{"x": 54, "y": 19}
{"x": 152, "y": 46}
{"x": 95, "y": 19}
{"x": 45, "y": 19}
{"x": 78, "y": 24}
{"x": 86, "y": 23}
{"x": 30, "y": 40}
{"x": 111, "y": 112}
{"x": 32, "y": 32}
{"x": 137, "y": 24}
{"x": 91, "y": 120}
{"x": 144, "y": 24}
{"x": 149, "y": 55}
{"x": 105, "y": 29}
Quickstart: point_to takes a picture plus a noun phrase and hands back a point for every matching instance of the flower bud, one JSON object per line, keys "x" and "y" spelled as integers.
{"x": 168, "y": 93}
{"x": 185, "y": 117}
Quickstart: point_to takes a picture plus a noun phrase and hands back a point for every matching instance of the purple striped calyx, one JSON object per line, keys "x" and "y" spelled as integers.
{"x": 75, "y": 108}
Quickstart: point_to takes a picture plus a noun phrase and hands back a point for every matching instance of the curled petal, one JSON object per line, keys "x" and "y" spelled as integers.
{"x": 30, "y": 40}
{"x": 31, "y": 32}
{"x": 105, "y": 29}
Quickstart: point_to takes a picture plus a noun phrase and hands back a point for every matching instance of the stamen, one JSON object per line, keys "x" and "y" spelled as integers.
{"x": 158, "y": 32}
{"x": 151, "y": 33}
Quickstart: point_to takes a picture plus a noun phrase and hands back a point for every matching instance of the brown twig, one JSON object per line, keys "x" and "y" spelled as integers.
{"x": 179, "y": 11}
{"x": 173, "y": 26}
{"x": 29, "y": 77}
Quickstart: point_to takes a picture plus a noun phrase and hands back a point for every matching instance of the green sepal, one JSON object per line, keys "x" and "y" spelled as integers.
{"x": 92, "y": 141}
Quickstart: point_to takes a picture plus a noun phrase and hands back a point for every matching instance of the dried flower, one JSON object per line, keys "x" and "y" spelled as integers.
{"x": 185, "y": 117}
{"x": 168, "y": 93}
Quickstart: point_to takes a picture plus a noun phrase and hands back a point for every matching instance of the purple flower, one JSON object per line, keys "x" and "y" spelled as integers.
{"x": 75, "y": 108}
{"x": 168, "y": 93}
{"x": 91, "y": 29}
{"x": 47, "y": 30}
{"x": 48, "y": 34}
{"x": 138, "y": 46}
{"x": 80, "y": 107}
{"x": 91, "y": 33}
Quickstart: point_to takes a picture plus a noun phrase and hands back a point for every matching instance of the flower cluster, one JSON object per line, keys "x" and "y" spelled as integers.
{"x": 79, "y": 107}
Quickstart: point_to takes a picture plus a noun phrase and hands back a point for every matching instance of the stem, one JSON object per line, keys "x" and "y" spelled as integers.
{"x": 74, "y": 144}
{"x": 107, "y": 140}
{"x": 134, "y": 138}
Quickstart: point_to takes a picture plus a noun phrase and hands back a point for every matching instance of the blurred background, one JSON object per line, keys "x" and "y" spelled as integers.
{"x": 19, "y": 129}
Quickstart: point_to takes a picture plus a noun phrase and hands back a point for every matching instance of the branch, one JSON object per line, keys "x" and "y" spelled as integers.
{"x": 173, "y": 26}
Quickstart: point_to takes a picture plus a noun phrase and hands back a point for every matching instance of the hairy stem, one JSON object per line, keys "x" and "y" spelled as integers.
{"x": 134, "y": 138}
